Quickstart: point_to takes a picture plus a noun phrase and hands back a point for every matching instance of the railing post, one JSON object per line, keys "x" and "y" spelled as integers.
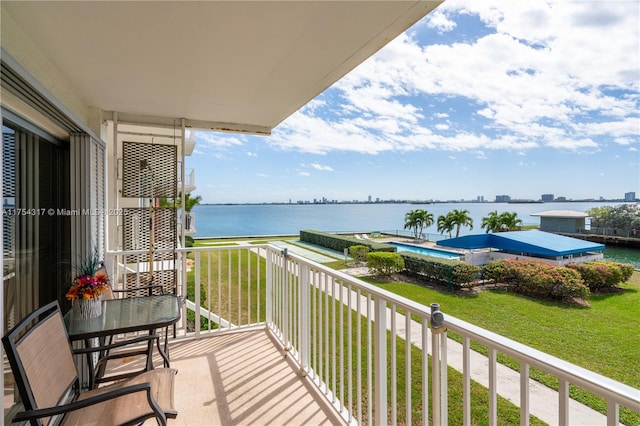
{"x": 613, "y": 413}
{"x": 304, "y": 331}
{"x": 197, "y": 294}
{"x": 380, "y": 364}
{"x": 284, "y": 310}
{"x": 269, "y": 288}
{"x": 438, "y": 370}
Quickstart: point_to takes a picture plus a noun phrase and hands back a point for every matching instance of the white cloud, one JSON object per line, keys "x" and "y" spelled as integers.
{"x": 207, "y": 139}
{"x": 252, "y": 154}
{"x": 440, "y": 21}
{"x": 317, "y": 166}
{"x": 572, "y": 144}
{"x": 304, "y": 174}
{"x": 321, "y": 167}
{"x": 561, "y": 75}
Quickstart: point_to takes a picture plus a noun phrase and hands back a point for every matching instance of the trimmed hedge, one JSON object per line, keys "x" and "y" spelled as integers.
{"x": 451, "y": 272}
{"x": 359, "y": 253}
{"x": 385, "y": 263}
{"x": 537, "y": 279}
{"x": 341, "y": 242}
{"x": 602, "y": 273}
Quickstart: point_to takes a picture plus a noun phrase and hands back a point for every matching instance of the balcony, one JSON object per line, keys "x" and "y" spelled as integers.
{"x": 340, "y": 350}
{"x": 189, "y": 144}
{"x": 189, "y": 223}
{"x": 189, "y": 181}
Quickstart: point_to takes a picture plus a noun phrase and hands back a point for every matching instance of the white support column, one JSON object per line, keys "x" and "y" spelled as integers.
{"x": 444, "y": 380}
{"x": 435, "y": 377}
{"x": 466, "y": 381}
{"x": 438, "y": 366}
{"x": 304, "y": 329}
{"x": 524, "y": 394}
{"x": 269, "y": 287}
{"x": 613, "y": 414}
{"x": 493, "y": 392}
{"x": 284, "y": 302}
{"x": 563, "y": 402}
{"x": 380, "y": 353}
{"x": 197, "y": 293}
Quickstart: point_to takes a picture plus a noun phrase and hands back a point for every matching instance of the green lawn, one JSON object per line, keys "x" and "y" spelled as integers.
{"x": 604, "y": 338}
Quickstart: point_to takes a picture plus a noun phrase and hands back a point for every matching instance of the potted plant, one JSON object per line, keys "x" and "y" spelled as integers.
{"x": 87, "y": 287}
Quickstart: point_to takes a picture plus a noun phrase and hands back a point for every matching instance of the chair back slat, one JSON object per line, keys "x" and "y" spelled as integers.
{"x": 41, "y": 358}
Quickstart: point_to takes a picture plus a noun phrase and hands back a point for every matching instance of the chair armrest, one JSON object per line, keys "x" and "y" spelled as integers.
{"x": 97, "y": 399}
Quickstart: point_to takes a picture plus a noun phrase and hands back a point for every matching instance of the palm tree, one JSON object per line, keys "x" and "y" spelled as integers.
{"x": 411, "y": 222}
{"x": 426, "y": 221}
{"x": 510, "y": 221}
{"x": 445, "y": 224}
{"x": 461, "y": 218}
{"x": 492, "y": 222}
{"x": 189, "y": 201}
{"x": 417, "y": 220}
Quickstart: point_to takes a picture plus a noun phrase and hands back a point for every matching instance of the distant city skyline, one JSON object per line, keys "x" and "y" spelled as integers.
{"x": 504, "y": 198}
{"x": 477, "y": 99}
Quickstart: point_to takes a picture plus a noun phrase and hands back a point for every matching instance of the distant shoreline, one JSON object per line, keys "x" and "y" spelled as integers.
{"x": 418, "y": 202}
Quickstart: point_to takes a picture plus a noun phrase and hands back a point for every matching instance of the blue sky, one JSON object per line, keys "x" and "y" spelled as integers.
{"x": 480, "y": 98}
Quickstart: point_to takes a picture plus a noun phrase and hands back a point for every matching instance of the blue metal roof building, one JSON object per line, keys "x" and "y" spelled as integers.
{"x": 531, "y": 243}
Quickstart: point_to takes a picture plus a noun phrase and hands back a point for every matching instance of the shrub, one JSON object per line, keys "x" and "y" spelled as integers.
{"x": 538, "y": 279}
{"x": 359, "y": 253}
{"x": 602, "y": 274}
{"x": 385, "y": 264}
{"x": 341, "y": 242}
{"x": 188, "y": 241}
{"x": 498, "y": 271}
{"x": 453, "y": 273}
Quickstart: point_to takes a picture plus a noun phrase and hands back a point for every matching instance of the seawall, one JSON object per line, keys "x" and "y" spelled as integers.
{"x": 608, "y": 240}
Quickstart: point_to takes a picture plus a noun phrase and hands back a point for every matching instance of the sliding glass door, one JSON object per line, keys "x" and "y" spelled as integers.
{"x": 36, "y": 231}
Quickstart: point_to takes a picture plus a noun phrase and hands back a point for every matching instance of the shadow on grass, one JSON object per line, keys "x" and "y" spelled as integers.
{"x": 616, "y": 291}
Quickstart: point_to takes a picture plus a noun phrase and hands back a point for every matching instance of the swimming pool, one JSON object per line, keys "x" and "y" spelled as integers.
{"x": 426, "y": 251}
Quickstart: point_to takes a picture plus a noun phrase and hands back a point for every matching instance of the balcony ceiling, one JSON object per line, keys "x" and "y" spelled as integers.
{"x": 239, "y": 66}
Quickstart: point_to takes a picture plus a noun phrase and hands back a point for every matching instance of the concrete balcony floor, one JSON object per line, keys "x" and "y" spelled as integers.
{"x": 242, "y": 378}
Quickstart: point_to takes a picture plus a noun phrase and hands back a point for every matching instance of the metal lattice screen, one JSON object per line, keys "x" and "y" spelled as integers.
{"x": 163, "y": 282}
{"x": 149, "y": 170}
{"x": 137, "y": 236}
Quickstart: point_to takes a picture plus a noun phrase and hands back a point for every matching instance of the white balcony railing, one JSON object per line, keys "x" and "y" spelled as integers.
{"x": 189, "y": 181}
{"x": 339, "y": 330}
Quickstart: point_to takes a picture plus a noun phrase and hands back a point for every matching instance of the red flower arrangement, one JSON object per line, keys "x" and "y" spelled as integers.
{"x": 88, "y": 286}
{"x": 90, "y": 281}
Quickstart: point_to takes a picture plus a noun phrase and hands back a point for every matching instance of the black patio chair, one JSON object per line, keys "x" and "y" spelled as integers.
{"x": 41, "y": 358}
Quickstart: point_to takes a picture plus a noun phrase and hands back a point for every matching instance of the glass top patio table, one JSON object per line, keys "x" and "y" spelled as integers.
{"x": 124, "y": 316}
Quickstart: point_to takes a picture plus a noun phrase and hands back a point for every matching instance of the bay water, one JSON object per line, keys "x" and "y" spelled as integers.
{"x": 241, "y": 220}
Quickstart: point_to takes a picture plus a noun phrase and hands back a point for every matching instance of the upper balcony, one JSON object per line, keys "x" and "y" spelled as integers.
{"x": 338, "y": 350}
{"x": 189, "y": 223}
{"x": 189, "y": 144}
{"x": 189, "y": 181}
